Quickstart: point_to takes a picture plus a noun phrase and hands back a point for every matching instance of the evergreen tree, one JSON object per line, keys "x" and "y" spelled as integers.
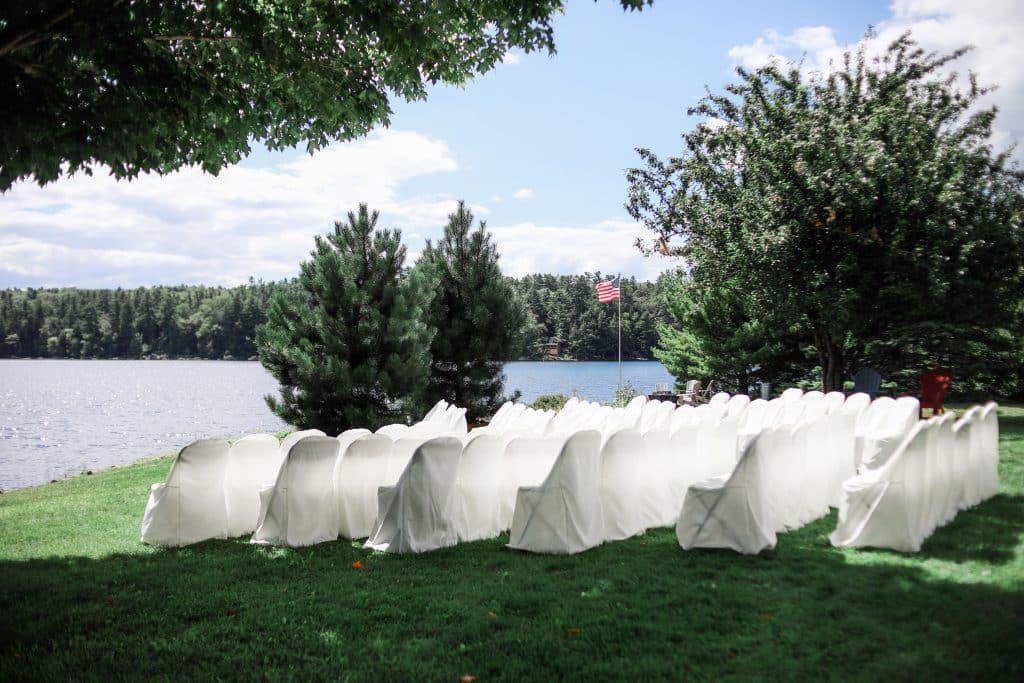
{"x": 477, "y": 316}
{"x": 348, "y": 347}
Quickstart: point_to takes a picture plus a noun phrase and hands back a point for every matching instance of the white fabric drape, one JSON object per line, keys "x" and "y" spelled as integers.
{"x": 729, "y": 511}
{"x": 253, "y": 463}
{"x": 563, "y": 514}
{"x": 190, "y": 506}
{"x": 360, "y": 473}
{"x": 415, "y": 515}
{"x": 478, "y": 489}
{"x": 300, "y": 508}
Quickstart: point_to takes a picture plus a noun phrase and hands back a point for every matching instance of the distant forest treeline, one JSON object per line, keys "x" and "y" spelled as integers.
{"x": 197, "y": 321}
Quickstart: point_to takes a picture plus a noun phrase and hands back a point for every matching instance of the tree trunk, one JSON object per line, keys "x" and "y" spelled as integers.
{"x": 743, "y": 383}
{"x": 830, "y": 357}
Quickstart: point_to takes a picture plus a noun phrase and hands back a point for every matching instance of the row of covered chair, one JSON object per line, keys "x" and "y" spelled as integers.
{"x": 730, "y": 473}
{"x": 943, "y": 465}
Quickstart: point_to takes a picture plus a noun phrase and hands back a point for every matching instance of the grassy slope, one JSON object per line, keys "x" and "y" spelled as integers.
{"x": 81, "y": 598}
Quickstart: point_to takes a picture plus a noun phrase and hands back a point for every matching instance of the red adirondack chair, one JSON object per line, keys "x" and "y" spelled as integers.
{"x": 934, "y": 387}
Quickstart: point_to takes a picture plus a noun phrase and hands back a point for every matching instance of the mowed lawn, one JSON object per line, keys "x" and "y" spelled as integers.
{"x": 82, "y": 599}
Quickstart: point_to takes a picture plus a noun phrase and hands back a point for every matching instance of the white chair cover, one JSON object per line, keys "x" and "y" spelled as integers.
{"x": 394, "y": 431}
{"x": 873, "y": 421}
{"x": 822, "y": 485}
{"x": 938, "y": 475}
{"x": 456, "y": 422}
{"x": 619, "y": 420}
{"x": 635, "y": 406}
{"x": 623, "y": 492}
{"x": 789, "y": 412}
{"x": 348, "y": 436}
{"x": 563, "y": 514}
{"x": 437, "y": 409}
{"x": 729, "y": 511}
{"x": 300, "y": 508}
{"x": 360, "y": 473}
{"x": 751, "y": 423}
{"x": 720, "y": 450}
{"x": 476, "y": 507}
{"x": 501, "y": 414}
{"x": 885, "y": 428}
{"x": 293, "y": 438}
{"x": 988, "y": 431}
{"x": 415, "y": 515}
{"x": 783, "y": 457}
{"x": 738, "y": 404}
{"x": 514, "y": 413}
{"x": 792, "y": 394}
{"x": 527, "y": 462}
{"x": 834, "y": 401}
{"x": 708, "y": 456}
{"x": 967, "y": 459}
{"x": 656, "y": 415}
{"x": 682, "y": 416}
{"x": 566, "y": 416}
{"x": 687, "y": 465}
{"x": 189, "y": 507}
{"x": 718, "y": 399}
{"x": 881, "y": 507}
{"x": 661, "y": 479}
{"x": 253, "y": 463}
{"x": 402, "y": 450}
{"x": 843, "y": 421}
{"x": 813, "y": 395}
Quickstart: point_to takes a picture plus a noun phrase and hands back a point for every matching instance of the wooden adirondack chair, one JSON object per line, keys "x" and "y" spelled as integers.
{"x": 934, "y": 387}
{"x": 867, "y": 381}
{"x": 692, "y": 392}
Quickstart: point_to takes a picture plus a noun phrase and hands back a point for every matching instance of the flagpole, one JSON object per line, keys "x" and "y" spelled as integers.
{"x": 620, "y": 331}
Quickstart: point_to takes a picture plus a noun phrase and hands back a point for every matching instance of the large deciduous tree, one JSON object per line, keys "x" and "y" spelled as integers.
{"x": 153, "y": 85}
{"x": 863, "y": 206}
{"x": 349, "y": 347}
{"x": 476, "y": 313}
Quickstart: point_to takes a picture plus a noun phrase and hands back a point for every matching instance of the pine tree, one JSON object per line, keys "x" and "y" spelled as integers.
{"x": 347, "y": 345}
{"x": 477, "y": 316}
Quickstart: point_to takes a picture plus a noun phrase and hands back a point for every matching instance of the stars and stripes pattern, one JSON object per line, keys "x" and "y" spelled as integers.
{"x": 608, "y": 290}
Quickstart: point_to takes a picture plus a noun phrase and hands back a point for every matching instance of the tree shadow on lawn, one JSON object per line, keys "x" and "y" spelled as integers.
{"x": 989, "y": 533}
{"x": 637, "y": 609}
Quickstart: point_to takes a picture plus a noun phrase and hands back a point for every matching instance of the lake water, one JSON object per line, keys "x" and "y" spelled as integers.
{"x": 62, "y": 417}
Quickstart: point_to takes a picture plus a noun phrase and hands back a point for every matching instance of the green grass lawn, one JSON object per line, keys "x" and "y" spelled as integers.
{"x": 82, "y": 599}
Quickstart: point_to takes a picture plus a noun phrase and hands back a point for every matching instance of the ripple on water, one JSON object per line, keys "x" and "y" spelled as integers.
{"x": 58, "y": 417}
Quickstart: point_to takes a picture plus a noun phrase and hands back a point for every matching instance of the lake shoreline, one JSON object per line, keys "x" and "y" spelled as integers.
{"x": 60, "y": 416}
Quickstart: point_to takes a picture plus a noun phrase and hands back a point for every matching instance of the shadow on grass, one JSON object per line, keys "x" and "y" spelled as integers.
{"x": 989, "y": 532}
{"x": 639, "y": 609}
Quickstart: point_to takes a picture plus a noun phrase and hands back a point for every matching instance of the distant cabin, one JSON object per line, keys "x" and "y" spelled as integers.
{"x": 554, "y": 348}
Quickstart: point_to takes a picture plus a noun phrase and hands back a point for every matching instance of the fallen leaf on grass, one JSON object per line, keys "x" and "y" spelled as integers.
{"x": 467, "y": 678}
{"x": 572, "y": 632}
{"x": 357, "y": 564}
{"x": 492, "y": 615}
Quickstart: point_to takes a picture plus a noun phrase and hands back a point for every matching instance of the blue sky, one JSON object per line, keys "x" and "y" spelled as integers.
{"x": 538, "y": 148}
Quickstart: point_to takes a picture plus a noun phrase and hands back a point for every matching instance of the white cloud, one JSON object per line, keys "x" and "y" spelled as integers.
{"x": 993, "y": 28}
{"x": 809, "y": 40}
{"x": 607, "y": 246}
{"x": 189, "y": 227}
{"x": 524, "y": 193}
{"x": 512, "y": 57}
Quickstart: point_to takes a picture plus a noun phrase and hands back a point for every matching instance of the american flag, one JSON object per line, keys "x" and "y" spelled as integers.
{"x": 608, "y": 290}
